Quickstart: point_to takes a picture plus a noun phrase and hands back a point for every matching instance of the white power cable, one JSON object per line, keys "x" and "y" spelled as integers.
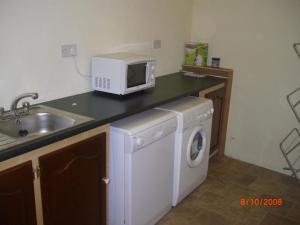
{"x": 78, "y": 70}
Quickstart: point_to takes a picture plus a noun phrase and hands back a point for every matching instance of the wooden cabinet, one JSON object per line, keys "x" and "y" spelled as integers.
{"x": 17, "y": 203}
{"x": 72, "y": 190}
{"x": 220, "y": 95}
{"x": 62, "y": 183}
{"x": 218, "y": 98}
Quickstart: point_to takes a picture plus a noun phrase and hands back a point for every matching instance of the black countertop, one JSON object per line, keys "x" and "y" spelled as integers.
{"x": 106, "y": 108}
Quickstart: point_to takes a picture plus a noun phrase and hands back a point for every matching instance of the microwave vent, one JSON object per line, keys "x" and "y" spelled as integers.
{"x": 102, "y": 82}
{"x": 108, "y": 83}
{"x": 96, "y": 81}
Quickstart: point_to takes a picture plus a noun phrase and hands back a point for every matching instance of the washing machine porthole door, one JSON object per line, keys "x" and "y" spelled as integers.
{"x": 196, "y": 147}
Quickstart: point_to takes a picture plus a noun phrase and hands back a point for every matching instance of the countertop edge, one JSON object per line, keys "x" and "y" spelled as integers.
{"x": 69, "y": 132}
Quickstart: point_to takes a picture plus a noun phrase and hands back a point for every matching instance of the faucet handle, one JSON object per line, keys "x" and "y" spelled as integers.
{"x": 26, "y": 106}
{"x": 35, "y": 95}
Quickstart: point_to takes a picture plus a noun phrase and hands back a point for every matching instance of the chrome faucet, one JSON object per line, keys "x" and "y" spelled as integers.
{"x": 14, "y": 105}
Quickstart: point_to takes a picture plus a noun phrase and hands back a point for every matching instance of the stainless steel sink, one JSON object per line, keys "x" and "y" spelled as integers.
{"x": 40, "y": 121}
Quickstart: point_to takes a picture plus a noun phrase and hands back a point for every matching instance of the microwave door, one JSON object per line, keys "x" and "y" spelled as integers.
{"x": 136, "y": 74}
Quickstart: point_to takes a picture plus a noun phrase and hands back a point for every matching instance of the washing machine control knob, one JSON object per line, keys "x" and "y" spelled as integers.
{"x": 139, "y": 141}
{"x": 200, "y": 116}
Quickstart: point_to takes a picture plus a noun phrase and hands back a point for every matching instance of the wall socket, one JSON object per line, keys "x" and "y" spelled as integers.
{"x": 156, "y": 44}
{"x": 69, "y": 50}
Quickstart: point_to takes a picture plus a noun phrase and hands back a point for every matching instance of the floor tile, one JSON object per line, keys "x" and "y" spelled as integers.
{"x": 271, "y": 219}
{"x": 217, "y": 200}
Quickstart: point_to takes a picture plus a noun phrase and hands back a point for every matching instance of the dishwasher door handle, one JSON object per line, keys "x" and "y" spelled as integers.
{"x": 158, "y": 134}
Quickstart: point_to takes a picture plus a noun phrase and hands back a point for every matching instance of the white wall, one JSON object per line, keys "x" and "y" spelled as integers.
{"x": 32, "y": 32}
{"x": 254, "y": 37}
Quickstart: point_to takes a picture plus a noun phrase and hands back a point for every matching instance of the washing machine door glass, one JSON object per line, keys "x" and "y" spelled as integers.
{"x": 196, "y": 147}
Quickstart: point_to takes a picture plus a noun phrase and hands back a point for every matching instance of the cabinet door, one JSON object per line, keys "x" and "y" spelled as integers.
{"x": 17, "y": 203}
{"x": 73, "y": 192}
{"x": 218, "y": 99}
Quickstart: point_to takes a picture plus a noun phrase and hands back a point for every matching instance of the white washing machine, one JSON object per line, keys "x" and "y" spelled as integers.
{"x": 192, "y": 144}
{"x": 141, "y": 167}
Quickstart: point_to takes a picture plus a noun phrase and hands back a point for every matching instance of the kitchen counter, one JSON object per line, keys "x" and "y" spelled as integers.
{"x": 106, "y": 108}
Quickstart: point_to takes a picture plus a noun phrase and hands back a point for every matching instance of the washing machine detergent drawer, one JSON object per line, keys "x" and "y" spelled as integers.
{"x": 151, "y": 135}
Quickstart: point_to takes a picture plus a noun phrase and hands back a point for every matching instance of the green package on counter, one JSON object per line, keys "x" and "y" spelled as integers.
{"x": 190, "y": 53}
{"x": 201, "y": 54}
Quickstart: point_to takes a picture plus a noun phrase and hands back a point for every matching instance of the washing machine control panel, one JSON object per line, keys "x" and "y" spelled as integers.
{"x": 206, "y": 115}
{"x": 139, "y": 141}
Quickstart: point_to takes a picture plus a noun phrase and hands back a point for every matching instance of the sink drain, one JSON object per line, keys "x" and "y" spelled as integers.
{"x": 23, "y": 132}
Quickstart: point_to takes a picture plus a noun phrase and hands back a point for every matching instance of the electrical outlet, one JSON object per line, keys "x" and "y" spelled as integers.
{"x": 156, "y": 44}
{"x": 69, "y": 50}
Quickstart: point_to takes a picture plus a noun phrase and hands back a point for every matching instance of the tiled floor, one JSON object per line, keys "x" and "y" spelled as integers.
{"x": 217, "y": 200}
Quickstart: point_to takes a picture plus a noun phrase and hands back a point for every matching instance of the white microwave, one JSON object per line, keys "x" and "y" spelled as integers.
{"x": 122, "y": 73}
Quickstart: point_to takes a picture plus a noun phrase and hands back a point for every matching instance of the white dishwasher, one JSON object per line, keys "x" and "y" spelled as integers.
{"x": 141, "y": 167}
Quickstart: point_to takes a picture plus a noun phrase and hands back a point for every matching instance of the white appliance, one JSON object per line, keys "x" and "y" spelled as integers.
{"x": 192, "y": 144}
{"x": 141, "y": 167}
{"x": 122, "y": 73}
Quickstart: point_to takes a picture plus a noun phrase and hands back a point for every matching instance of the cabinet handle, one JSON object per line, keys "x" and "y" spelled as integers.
{"x": 106, "y": 180}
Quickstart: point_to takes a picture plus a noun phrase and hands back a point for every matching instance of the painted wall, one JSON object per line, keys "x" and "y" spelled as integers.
{"x": 254, "y": 37}
{"x": 32, "y": 32}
